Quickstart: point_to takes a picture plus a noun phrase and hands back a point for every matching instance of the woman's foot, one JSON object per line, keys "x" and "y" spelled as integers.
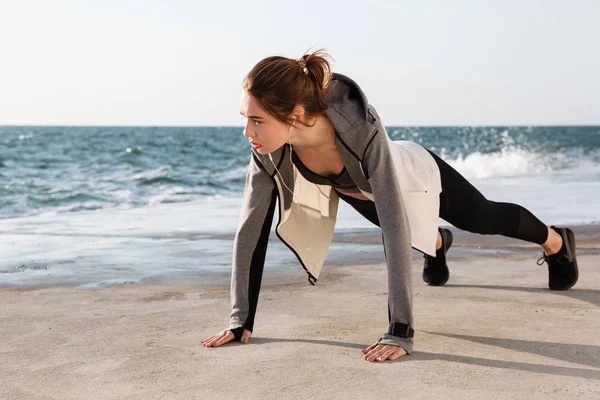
{"x": 562, "y": 264}
{"x": 435, "y": 270}
{"x": 553, "y": 244}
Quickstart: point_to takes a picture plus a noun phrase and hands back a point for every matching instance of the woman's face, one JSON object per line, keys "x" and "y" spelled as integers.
{"x": 265, "y": 133}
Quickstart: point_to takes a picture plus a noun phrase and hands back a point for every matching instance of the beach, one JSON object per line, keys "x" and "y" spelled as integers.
{"x": 115, "y": 263}
{"x": 493, "y": 331}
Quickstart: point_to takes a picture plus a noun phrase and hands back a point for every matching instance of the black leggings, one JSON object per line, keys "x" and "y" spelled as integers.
{"x": 462, "y": 205}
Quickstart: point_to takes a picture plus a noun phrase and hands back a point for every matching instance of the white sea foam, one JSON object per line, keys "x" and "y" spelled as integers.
{"x": 512, "y": 162}
{"x": 508, "y": 162}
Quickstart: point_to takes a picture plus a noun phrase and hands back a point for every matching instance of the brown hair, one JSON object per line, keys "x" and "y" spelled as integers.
{"x": 278, "y": 84}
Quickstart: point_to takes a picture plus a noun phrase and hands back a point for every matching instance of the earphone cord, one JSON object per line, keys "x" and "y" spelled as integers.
{"x": 291, "y": 163}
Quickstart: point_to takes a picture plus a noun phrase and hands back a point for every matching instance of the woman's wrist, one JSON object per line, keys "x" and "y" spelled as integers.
{"x": 237, "y": 333}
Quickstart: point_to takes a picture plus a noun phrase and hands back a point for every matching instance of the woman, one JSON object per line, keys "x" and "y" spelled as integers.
{"x": 315, "y": 139}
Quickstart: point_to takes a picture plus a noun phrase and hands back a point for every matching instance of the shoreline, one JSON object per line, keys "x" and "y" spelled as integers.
{"x": 349, "y": 247}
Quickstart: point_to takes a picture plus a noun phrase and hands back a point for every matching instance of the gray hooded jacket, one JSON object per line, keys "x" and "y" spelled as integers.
{"x": 400, "y": 177}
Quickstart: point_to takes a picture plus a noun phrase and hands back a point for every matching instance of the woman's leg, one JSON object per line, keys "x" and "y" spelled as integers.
{"x": 462, "y": 205}
{"x": 465, "y": 207}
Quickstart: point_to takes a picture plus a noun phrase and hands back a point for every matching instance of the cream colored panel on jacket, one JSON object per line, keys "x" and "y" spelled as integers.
{"x": 308, "y": 225}
{"x": 420, "y": 183}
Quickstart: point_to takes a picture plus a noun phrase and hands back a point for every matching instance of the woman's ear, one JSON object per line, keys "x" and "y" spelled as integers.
{"x": 298, "y": 113}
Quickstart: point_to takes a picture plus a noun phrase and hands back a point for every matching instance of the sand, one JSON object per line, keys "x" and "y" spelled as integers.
{"x": 494, "y": 332}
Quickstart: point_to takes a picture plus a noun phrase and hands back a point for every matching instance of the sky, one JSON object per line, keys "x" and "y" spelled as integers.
{"x": 181, "y": 63}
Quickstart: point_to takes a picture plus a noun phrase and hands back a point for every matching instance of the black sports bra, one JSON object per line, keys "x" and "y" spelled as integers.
{"x": 341, "y": 181}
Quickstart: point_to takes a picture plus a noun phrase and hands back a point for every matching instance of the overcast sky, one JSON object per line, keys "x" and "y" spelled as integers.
{"x": 181, "y": 62}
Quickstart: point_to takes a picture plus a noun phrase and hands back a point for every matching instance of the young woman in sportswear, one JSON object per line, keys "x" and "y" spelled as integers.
{"x": 315, "y": 139}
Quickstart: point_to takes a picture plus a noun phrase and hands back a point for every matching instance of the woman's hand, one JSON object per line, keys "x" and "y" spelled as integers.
{"x": 225, "y": 337}
{"x": 382, "y": 352}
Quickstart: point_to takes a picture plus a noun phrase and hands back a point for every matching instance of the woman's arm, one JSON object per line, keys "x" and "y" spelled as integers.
{"x": 250, "y": 246}
{"x": 387, "y": 194}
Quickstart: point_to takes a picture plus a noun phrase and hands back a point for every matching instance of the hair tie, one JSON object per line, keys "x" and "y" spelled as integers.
{"x": 302, "y": 63}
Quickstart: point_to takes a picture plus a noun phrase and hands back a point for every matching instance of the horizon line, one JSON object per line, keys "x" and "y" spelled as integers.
{"x": 240, "y": 126}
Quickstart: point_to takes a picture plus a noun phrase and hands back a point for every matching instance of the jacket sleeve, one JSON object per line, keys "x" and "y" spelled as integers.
{"x": 387, "y": 194}
{"x": 250, "y": 246}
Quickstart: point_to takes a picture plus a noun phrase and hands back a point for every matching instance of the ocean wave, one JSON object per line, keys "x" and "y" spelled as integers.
{"x": 64, "y": 197}
{"x": 508, "y": 162}
{"x": 171, "y": 195}
{"x": 161, "y": 175}
{"x": 511, "y": 162}
{"x": 237, "y": 175}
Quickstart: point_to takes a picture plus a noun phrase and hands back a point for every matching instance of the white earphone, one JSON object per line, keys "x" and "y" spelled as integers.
{"x": 290, "y": 132}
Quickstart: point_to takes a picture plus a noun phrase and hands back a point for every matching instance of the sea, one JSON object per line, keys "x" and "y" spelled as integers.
{"x": 91, "y": 207}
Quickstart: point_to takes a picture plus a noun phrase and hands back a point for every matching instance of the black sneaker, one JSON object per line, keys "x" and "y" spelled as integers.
{"x": 435, "y": 271}
{"x": 562, "y": 266}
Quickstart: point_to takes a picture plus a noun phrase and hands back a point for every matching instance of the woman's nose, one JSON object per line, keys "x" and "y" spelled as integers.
{"x": 248, "y": 131}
